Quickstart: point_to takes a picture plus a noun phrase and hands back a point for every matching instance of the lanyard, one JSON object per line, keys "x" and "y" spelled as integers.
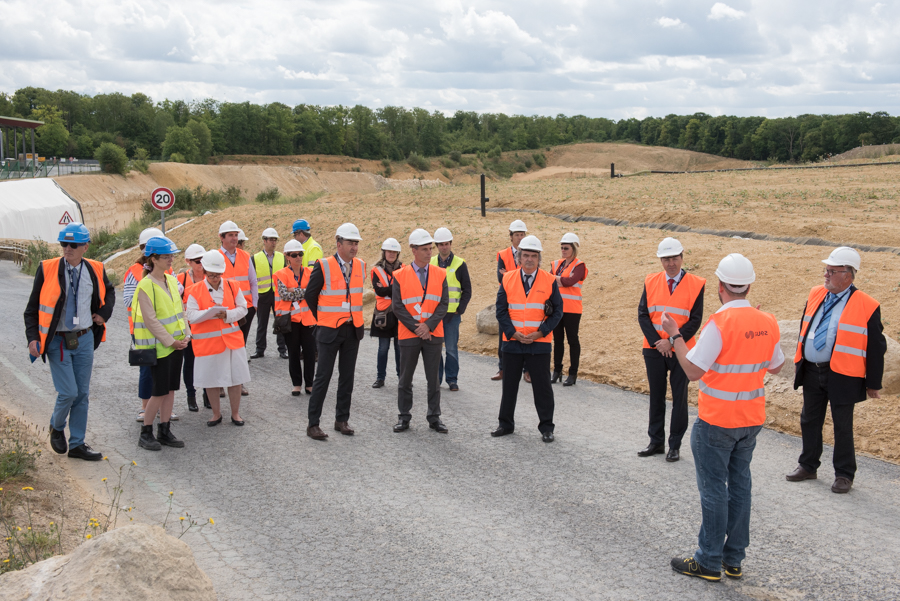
{"x": 347, "y": 276}
{"x": 425, "y": 286}
{"x": 74, "y": 283}
{"x": 561, "y": 268}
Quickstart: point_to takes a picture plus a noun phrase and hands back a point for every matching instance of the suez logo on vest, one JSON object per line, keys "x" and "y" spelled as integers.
{"x": 750, "y": 334}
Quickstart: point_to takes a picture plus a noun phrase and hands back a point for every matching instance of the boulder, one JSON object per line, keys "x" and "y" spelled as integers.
{"x": 368, "y": 297}
{"x": 132, "y": 562}
{"x": 486, "y": 321}
{"x": 790, "y": 331}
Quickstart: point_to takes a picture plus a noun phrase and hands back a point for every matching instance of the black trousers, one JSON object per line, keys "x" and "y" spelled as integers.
{"x": 301, "y": 342}
{"x": 658, "y": 367}
{"x": 539, "y": 368}
{"x": 245, "y": 329}
{"x": 187, "y": 370}
{"x": 567, "y": 328}
{"x": 812, "y": 420}
{"x": 345, "y": 344}
{"x": 409, "y": 359}
{"x": 266, "y": 307}
{"x": 500, "y": 351}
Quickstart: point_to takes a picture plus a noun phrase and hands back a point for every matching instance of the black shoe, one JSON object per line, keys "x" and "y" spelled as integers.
{"x": 570, "y": 381}
{"x": 378, "y": 384}
{"x": 192, "y": 404}
{"x": 556, "y": 377}
{"x": 689, "y": 567}
{"x": 85, "y": 452}
{"x": 147, "y": 441}
{"x": 258, "y": 355}
{"x": 732, "y": 571}
{"x": 501, "y": 431}
{"x": 164, "y": 436}
{"x": 652, "y": 449}
{"x": 547, "y": 437}
{"x": 206, "y": 401}
{"x": 454, "y": 387}
{"x": 439, "y": 427}
{"x": 283, "y": 354}
{"x": 673, "y": 455}
{"x": 214, "y": 422}
{"x": 401, "y": 426}
{"x": 58, "y": 440}
{"x": 295, "y": 393}
{"x": 237, "y": 422}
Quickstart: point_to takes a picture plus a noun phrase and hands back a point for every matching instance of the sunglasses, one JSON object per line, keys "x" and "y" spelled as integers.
{"x": 295, "y": 255}
{"x": 195, "y": 261}
{"x": 71, "y": 244}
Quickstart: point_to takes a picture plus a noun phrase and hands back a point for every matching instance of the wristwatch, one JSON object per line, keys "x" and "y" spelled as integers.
{"x": 672, "y": 339}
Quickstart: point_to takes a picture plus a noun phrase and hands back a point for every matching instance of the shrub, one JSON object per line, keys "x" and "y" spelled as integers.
{"x": 456, "y": 156}
{"x": 36, "y": 252}
{"x": 141, "y": 160}
{"x": 528, "y": 163}
{"x": 268, "y": 196}
{"x": 105, "y": 243}
{"x": 445, "y": 173}
{"x": 448, "y": 163}
{"x": 112, "y": 158}
{"x": 540, "y": 159}
{"x": 418, "y": 162}
{"x": 385, "y": 162}
{"x": 495, "y": 152}
{"x": 387, "y": 170}
{"x": 177, "y": 157}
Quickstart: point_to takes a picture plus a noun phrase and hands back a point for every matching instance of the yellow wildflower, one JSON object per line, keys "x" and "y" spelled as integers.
{"x": 181, "y": 519}
{"x": 88, "y": 536}
{"x": 106, "y": 459}
{"x": 5, "y": 561}
{"x": 171, "y": 492}
{"x": 134, "y": 463}
{"x": 27, "y": 488}
{"x": 103, "y": 480}
{"x": 211, "y": 521}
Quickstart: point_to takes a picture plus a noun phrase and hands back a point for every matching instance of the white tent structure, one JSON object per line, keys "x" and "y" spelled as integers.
{"x": 35, "y": 209}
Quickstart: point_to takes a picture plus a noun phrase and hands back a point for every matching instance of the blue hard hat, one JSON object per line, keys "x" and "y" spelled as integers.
{"x": 301, "y": 225}
{"x": 75, "y": 232}
{"x": 160, "y": 245}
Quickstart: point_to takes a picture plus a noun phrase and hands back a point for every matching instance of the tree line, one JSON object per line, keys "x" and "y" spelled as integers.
{"x": 78, "y": 125}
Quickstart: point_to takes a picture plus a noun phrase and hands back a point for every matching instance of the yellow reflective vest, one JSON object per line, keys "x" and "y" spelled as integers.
{"x": 264, "y": 272}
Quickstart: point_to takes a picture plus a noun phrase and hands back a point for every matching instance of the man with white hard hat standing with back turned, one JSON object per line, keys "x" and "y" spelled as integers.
{"x": 508, "y": 260}
{"x": 839, "y": 359}
{"x": 737, "y": 346}
{"x": 267, "y": 262}
{"x": 680, "y": 294}
{"x": 459, "y": 286}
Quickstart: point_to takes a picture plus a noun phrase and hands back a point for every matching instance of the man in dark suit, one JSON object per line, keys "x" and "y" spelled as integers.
{"x": 840, "y": 358}
{"x": 334, "y": 296}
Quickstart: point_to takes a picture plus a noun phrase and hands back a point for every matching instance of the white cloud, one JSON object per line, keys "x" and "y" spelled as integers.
{"x": 668, "y": 22}
{"x": 735, "y": 75}
{"x": 720, "y": 10}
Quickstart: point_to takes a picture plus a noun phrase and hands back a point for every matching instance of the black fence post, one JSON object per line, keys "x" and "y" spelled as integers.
{"x": 483, "y": 199}
{"x": 612, "y": 170}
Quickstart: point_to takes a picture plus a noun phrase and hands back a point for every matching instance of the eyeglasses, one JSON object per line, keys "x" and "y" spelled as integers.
{"x": 831, "y": 272}
{"x": 269, "y": 239}
{"x": 295, "y": 255}
{"x": 71, "y": 244}
{"x": 195, "y": 261}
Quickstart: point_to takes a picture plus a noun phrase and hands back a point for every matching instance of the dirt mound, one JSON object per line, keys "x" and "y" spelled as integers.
{"x": 862, "y": 153}
{"x": 634, "y": 157}
{"x": 109, "y": 201}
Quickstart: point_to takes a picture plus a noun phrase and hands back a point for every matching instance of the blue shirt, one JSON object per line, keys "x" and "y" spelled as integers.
{"x": 809, "y": 350}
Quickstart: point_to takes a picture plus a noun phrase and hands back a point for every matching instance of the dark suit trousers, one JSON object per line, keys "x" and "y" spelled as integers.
{"x": 266, "y": 306}
{"x": 409, "y": 359}
{"x": 812, "y": 420}
{"x": 345, "y": 344}
{"x": 657, "y": 369}
{"x": 539, "y": 368}
{"x": 301, "y": 343}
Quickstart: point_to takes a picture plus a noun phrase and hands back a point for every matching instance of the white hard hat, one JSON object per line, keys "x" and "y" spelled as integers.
{"x": 518, "y": 226}
{"x": 242, "y": 236}
{"x": 531, "y": 243}
{"x": 270, "y": 232}
{"x": 293, "y": 246}
{"x": 670, "y": 247}
{"x": 348, "y": 231}
{"x": 736, "y": 269}
{"x": 442, "y": 234}
{"x": 419, "y": 237}
{"x": 843, "y": 256}
{"x": 213, "y": 261}
{"x": 194, "y": 251}
{"x": 391, "y": 244}
{"x": 570, "y": 238}
{"x": 228, "y": 226}
{"x": 150, "y": 232}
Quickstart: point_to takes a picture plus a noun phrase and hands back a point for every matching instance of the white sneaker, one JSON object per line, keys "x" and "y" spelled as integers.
{"x": 174, "y": 417}
{"x": 140, "y": 416}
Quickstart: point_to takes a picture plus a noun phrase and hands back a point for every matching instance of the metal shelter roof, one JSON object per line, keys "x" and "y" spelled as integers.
{"x": 16, "y": 122}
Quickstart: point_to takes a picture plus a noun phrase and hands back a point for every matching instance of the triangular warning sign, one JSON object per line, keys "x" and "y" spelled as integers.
{"x": 66, "y": 219}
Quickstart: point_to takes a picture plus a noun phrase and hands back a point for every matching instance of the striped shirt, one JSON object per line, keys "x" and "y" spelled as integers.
{"x": 83, "y": 301}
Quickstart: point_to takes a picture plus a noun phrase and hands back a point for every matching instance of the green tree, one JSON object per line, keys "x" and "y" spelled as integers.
{"x": 180, "y": 141}
{"x": 52, "y": 139}
{"x": 202, "y": 135}
{"x": 112, "y": 158}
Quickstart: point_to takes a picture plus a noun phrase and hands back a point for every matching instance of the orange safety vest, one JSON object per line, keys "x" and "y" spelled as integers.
{"x": 183, "y": 280}
{"x": 849, "y": 354}
{"x": 732, "y": 394}
{"x": 421, "y": 304}
{"x": 239, "y": 272}
{"x": 509, "y": 260}
{"x": 212, "y": 336}
{"x": 299, "y": 311}
{"x": 337, "y": 305}
{"x": 678, "y": 304}
{"x": 50, "y": 293}
{"x": 571, "y": 295}
{"x": 527, "y": 312}
{"x": 382, "y": 303}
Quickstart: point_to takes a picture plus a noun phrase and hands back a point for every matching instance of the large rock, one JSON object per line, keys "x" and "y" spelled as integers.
{"x": 790, "y": 331}
{"x": 486, "y": 321}
{"x": 133, "y": 562}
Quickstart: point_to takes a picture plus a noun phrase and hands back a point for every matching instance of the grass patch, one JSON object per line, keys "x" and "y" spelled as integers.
{"x": 105, "y": 243}
{"x": 268, "y": 196}
{"x": 297, "y": 199}
{"x": 36, "y": 252}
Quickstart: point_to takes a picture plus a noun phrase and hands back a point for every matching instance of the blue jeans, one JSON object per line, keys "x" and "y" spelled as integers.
{"x": 722, "y": 458}
{"x": 451, "y": 343}
{"x": 71, "y": 371}
{"x": 145, "y": 383}
{"x": 383, "y": 345}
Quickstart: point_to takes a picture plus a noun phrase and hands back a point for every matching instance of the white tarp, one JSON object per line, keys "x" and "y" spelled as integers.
{"x": 35, "y": 209}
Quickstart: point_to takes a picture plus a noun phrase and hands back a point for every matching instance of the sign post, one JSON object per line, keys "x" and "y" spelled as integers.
{"x": 162, "y": 199}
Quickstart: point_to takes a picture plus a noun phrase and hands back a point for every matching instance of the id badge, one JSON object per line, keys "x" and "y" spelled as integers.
{"x": 75, "y": 320}
{"x": 345, "y": 305}
{"x": 418, "y": 308}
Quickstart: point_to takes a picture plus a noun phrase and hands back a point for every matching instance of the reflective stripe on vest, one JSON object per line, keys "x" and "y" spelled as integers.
{"x": 264, "y": 272}
{"x": 428, "y": 300}
{"x": 51, "y": 293}
{"x": 527, "y": 311}
{"x": 849, "y": 354}
{"x": 382, "y": 303}
{"x": 169, "y": 312}
{"x": 571, "y": 295}
{"x": 299, "y": 311}
{"x": 677, "y": 304}
{"x": 239, "y": 272}
{"x": 732, "y": 394}
{"x": 330, "y": 307}
{"x": 213, "y": 336}
{"x": 454, "y": 287}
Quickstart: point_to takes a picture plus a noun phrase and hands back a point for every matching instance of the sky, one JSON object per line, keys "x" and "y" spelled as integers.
{"x": 599, "y": 58}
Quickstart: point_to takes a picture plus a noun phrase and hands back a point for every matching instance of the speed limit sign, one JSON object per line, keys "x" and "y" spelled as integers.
{"x": 162, "y": 199}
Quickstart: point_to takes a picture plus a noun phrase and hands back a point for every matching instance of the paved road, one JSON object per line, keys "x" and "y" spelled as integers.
{"x": 421, "y": 515}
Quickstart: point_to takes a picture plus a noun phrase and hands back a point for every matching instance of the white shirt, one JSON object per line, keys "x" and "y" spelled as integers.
{"x": 193, "y": 313}
{"x": 709, "y": 345}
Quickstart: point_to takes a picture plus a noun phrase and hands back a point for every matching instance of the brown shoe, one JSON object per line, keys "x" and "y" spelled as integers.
{"x": 841, "y": 485}
{"x": 800, "y": 474}
{"x": 344, "y": 428}
{"x": 498, "y": 376}
{"x": 315, "y": 432}
{"x": 527, "y": 378}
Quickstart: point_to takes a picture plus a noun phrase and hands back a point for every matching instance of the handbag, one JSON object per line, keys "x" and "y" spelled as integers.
{"x": 281, "y": 325}
{"x": 143, "y": 356}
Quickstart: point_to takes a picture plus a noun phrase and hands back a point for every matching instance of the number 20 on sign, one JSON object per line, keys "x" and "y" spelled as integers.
{"x": 162, "y": 199}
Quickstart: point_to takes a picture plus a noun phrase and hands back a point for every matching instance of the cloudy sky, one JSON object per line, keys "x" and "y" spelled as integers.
{"x": 609, "y": 58}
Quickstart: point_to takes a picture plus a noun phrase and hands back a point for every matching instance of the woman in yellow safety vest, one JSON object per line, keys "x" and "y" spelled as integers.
{"x": 159, "y": 324}
{"x": 382, "y": 282}
{"x": 570, "y": 272}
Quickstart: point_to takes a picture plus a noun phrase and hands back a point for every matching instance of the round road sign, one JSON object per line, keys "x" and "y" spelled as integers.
{"x": 162, "y": 199}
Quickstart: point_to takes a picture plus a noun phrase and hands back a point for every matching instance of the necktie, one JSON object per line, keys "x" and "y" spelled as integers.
{"x": 422, "y": 273}
{"x": 345, "y": 269}
{"x": 822, "y": 329}
{"x": 671, "y": 285}
{"x": 71, "y": 300}
{"x": 527, "y": 283}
